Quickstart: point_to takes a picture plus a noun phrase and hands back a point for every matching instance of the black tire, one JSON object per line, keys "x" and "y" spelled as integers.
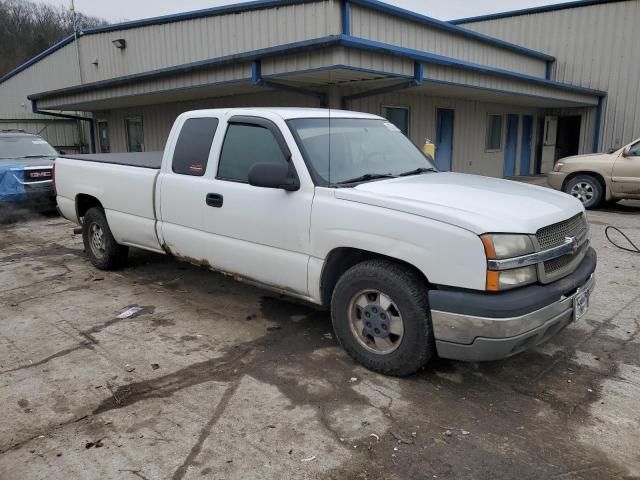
{"x": 587, "y": 189}
{"x": 111, "y": 256}
{"x": 408, "y": 291}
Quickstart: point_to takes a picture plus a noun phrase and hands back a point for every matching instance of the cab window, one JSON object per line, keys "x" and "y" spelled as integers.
{"x": 191, "y": 154}
{"x": 244, "y": 146}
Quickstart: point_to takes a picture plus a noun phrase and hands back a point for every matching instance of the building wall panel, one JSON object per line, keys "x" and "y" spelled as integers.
{"x": 596, "y": 47}
{"x": 463, "y": 77}
{"x": 469, "y": 122}
{"x": 374, "y": 25}
{"x": 158, "y": 119}
{"x": 158, "y": 46}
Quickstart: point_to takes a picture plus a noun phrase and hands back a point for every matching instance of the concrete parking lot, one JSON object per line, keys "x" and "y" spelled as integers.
{"x": 216, "y": 379}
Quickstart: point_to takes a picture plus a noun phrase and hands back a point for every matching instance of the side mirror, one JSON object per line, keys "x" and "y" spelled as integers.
{"x": 273, "y": 175}
{"x": 62, "y": 152}
{"x": 626, "y": 152}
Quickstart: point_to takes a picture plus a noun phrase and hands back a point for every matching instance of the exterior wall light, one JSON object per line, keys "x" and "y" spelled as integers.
{"x": 120, "y": 43}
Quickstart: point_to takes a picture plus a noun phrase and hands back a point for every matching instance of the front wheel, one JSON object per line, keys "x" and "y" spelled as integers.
{"x": 585, "y": 188}
{"x": 380, "y": 315}
{"x": 103, "y": 250}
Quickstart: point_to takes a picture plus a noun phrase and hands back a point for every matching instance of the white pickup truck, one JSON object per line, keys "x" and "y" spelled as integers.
{"x": 340, "y": 209}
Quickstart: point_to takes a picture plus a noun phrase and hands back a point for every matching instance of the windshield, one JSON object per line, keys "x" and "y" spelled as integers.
{"x": 347, "y": 150}
{"x": 22, "y": 147}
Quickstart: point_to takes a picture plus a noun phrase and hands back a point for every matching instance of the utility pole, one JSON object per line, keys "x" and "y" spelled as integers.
{"x": 75, "y": 36}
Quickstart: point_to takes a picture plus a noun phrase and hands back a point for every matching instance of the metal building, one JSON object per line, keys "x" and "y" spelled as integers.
{"x": 596, "y": 46}
{"x": 488, "y": 103}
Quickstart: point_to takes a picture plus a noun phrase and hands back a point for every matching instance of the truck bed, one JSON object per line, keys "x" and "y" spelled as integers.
{"x": 137, "y": 159}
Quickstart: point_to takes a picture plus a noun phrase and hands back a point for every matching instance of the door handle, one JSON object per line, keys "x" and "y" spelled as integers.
{"x": 214, "y": 200}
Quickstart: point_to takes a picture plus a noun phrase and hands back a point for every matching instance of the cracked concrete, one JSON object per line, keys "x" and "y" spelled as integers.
{"x": 215, "y": 379}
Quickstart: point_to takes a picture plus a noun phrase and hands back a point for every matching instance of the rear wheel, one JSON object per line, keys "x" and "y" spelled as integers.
{"x": 103, "y": 250}
{"x": 380, "y": 314}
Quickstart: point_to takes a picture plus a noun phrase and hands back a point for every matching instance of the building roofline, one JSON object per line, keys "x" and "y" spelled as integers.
{"x": 322, "y": 42}
{"x": 533, "y": 10}
{"x": 263, "y": 4}
{"x": 448, "y": 26}
{"x": 37, "y": 58}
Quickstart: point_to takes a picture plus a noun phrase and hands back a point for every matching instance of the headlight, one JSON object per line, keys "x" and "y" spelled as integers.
{"x": 558, "y": 166}
{"x": 500, "y": 246}
{"x": 507, "y": 279}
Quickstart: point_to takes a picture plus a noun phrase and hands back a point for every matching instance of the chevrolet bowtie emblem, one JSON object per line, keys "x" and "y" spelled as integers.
{"x": 574, "y": 244}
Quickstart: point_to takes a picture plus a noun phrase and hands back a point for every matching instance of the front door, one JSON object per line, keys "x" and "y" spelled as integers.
{"x": 444, "y": 139}
{"x": 511, "y": 146}
{"x": 218, "y": 219}
{"x": 525, "y": 148}
{"x": 626, "y": 172}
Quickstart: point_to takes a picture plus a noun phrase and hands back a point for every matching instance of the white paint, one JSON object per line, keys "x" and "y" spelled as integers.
{"x": 282, "y": 239}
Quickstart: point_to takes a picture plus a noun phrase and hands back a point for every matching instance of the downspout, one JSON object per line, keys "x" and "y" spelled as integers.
{"x": 92, "y": 135}
{"x": 258, "y": 80}
{"x": 418, "y": 79}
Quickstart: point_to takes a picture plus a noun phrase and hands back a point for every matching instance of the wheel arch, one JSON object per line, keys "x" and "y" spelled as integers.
{"x": 341, "y": 259}
{"x": 608, "y": 195}
{"x": 84, "y": 202}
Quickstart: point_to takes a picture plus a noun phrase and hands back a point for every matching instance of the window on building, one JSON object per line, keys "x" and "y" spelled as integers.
{"x": 244, "y": 146}
{"x": 104, "y": 145}
{"x": 135, "y": 134}
{"x": 494, "y": 132}
{"x": 399, "y": 116}
{"x": 191, "y": 154}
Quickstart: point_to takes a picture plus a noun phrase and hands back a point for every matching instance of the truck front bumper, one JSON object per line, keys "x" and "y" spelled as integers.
{"x": 476, "y": 326}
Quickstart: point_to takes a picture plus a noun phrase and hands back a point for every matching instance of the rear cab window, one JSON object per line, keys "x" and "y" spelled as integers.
{"x": 191, "y": 154}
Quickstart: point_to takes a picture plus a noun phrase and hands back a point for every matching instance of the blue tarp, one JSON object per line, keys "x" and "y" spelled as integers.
{"x": 11, "y": 183}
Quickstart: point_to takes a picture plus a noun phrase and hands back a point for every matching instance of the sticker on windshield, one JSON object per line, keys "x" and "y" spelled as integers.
{"x": 391, "y": 127}
{"x": 38, "y": 142}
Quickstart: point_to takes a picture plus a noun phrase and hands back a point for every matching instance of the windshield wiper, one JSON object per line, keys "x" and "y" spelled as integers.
{"x": 366, "y": 177}
{"x": 34, "y": 156}
{"x": 418, "y": 171}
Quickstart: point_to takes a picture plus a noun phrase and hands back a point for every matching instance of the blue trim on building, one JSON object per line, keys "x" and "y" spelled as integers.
{"x": 433, "y": 58}
{"x": 346, "y": 17}
{"x": 499, "y": 90}
{"x": 418, "y": 79}
{"x": 262, "y": 4}
{"x": 37, "y": 58}
{"x": 256, "y": 72}
{"x": 418, "y": 72}
{"x": 529, "y": 11}
{"x": 337, "y": 40}
{"x": 447, "y": 26}
{"x": 548, "y": 69}
{"x": 258, "y": 80}
{"x": 249, "y": 56}
{"x": 597, "y": 133}
{"x": 92, "y": 135}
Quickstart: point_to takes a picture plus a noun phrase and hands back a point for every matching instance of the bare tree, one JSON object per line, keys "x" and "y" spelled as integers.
{"x": 28, "y": 28}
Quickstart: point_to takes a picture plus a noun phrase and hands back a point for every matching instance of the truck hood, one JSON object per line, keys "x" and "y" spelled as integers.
{"x": 589, "y": 157}
{"x": 28, "y": 162}
{"x": 476, "y": 203}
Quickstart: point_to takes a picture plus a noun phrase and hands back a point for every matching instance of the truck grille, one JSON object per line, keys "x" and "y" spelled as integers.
{"x": 553, "y": 236}
{"x": 37, "y": 174}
